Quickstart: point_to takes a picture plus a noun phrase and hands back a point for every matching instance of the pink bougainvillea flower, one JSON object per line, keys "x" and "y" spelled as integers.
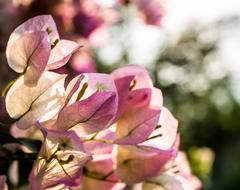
{"x": 29, "y": 48}
{"x": 138, "y": 111}
{"x": 91, "y": 107}
{"x": 100, "y": 171}
{"x": 133, "y": 162}
{"x": 39, "y": 103}
{"x": 60, "y": 161}
{"x": 3, "y": 185}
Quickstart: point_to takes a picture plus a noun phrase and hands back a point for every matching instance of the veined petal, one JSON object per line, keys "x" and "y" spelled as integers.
{"x": 89, "y": 115}
{"x": 90, "y": 108}
{"x": 39, "y": 23}
{"x": 135, "y": 127}
{"x": 39, "y": 103}
{"x": 133, "y": 162}
{"x": 61, "y": 53}
{"x": 29, "y": 55}
{"x": 60, "y": 161}
{"x": 165, "y": 134}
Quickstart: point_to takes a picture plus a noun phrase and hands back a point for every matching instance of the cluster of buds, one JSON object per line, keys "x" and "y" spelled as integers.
{"x": 103, "y": 131}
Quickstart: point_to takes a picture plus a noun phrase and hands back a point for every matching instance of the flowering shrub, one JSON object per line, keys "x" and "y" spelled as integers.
{"x": 103, "y": 131}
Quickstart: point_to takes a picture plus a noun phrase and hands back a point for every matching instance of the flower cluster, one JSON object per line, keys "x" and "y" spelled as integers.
{"x": 103, "y": 131}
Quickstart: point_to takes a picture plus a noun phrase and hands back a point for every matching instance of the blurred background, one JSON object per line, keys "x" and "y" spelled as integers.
{"x": 191, "y": 48}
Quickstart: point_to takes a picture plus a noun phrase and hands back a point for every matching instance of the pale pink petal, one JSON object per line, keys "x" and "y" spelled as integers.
{"x": 172, "y": 181}
{"x": 100, "y": 148}
{"x": 39, "y": 103}
{"x": 89, "y": 115}
{"x": 185, "y": 170}
{"x": 61, "y": 53}
{"x": 39, "y": 23}
{"x": 74, "y": 88}
{"x": 104, "y": 175}
{"x": 141, "y": 76}
{"x": 135, "y": 127}
{"x": 137, "y": 164}
{"x": 29, "y": 56}
{"x": 93, "y": 82}
{"x": 63, "y": 168}
{"x": 165, "y": 134}
{"x": 122, "y": 85}
{"x": 156, "y": 98}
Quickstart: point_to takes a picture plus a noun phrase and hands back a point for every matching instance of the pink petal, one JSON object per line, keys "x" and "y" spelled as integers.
{"x": 137, "y": 164}
{"x": 122, "y": 86}
{"x": 135, "y": 127}
{"x": 96, "y": 82}
{"x": 61, "y": 53}
{"x": 89, "y": 115}
{"x": 74, "y": 89}
{"x": 35, "y": 24}
{"x": 139, "y": 98}
{"x": 100, "y": 148}
{"x": 142, "y": 78}
{"x": 156, "y": 98}
{"x": 172, "y": 181}
{"x": 46, "y": 174}
{"x": 39, "y": 103}
{"x": 102, "y": 168}
{"x": 165, "y": 135}
{"x": 29, "y": 55}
